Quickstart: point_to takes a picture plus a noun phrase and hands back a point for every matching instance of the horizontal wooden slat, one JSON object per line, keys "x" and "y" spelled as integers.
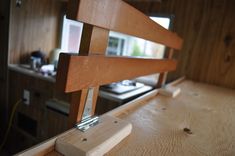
{"x": 119, "y": 16}
{"x": 79, "y": 72}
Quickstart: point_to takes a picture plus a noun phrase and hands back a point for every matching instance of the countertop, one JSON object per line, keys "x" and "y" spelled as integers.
{"x": 25, "y": 69}
{"x": 123, "y": 97}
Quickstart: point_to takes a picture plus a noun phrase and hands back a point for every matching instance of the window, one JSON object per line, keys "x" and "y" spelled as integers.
{"x": 71, "y": 35}
{"x": 125, "y": 45}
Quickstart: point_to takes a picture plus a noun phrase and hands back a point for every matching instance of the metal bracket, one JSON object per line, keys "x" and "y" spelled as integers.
{"x": 88, "y": 104}
{"x": 87, "y": 123}
{"x": 87, "y": 119}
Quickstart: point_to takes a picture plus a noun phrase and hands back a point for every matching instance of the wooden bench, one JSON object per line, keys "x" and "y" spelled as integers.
{"x": 91, "y": 68}
{"x": 77, "y": 74}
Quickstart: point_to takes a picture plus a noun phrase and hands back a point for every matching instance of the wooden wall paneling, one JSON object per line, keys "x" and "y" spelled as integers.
{"x": 34, "y": 25}
{"x": 40, "y": 91}
{"x": 145, "y": 6}
{"x": 93, "y": 42}
{"x": 19, "y": 139}
{"x": 208, "y": 30}
{"x": 120, "y": 17}
{"x": 49, "y": 122}
{"x": 56, "y": 123}
{"x": 211, "y": 60}
{"x": 221, "y": 67}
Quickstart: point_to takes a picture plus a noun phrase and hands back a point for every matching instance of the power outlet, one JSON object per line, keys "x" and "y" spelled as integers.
{"x": 26, "y": 97}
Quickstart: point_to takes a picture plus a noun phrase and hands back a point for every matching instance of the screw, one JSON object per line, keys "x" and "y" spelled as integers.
{"x": 188, "y": 131}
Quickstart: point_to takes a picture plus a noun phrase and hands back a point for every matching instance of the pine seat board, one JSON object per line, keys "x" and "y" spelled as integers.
{"x": 199, "y": 121}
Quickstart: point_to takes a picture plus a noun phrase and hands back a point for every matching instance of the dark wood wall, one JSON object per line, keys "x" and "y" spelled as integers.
{"x": 4, "y": 31}
{"x": 208, "y": 30}
{"x": 4, "y": 24}
{"x": 35, "y": 25}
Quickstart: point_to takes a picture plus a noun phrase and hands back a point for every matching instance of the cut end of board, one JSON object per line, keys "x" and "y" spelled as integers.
{"x": 170, "y": 91}
{"x": 97, "y": 140}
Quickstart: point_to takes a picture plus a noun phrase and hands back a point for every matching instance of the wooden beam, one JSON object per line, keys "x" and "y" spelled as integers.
{"x": 94, "y": 99}
{"x": 163, "y": 76}
{"x": 94, "y": 40}
{"x": 119, "y": 16}
{"x": 90, "y": 71}
{"x": 77, "y": 105}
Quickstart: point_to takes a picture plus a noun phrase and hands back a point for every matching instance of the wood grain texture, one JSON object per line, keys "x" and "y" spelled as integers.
{"x": 118, "y": 16}
{"x": 163, "y": 76}
{"x": 200, "y": 121}
{"x": 96, "y": 141}
{"x": 91, "y": 71}
{"x": 77, "y": 105}
{"x": 208, "y": 30}
{"x": 94, "y": 99}
{"x": 35, "y": 25}
{"x": 94, "y": 40}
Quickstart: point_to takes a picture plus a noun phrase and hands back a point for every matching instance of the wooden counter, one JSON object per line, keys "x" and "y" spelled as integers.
{"x": 200, "y": 121}
{"x": 25, "y": 69}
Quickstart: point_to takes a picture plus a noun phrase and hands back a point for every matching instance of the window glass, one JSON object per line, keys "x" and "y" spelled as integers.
{"x": 125, "y": 45}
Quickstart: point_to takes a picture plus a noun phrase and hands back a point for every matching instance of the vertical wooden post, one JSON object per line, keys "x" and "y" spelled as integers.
{"x": 93, "y": 42}
{"x": 163, "y": 76}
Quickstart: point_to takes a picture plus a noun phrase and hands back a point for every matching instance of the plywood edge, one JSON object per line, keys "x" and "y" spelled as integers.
{"x": 97, "y": 140}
